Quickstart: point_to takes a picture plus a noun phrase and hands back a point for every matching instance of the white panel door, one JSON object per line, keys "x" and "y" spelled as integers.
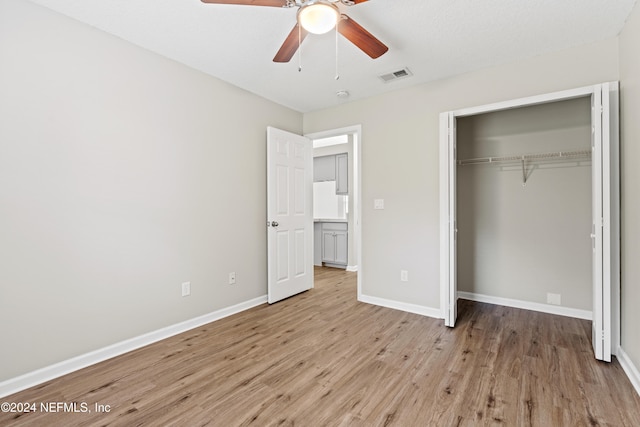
{"x": 596, "y": 223}
{"x": 290, "y": 214}
{"x": 448, "y": 232}
{"x": 453, "y": 223}
{"x": 601, "y": 224}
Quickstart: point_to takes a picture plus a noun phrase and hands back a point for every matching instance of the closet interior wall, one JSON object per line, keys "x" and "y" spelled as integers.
{"x": 524, "y": 241}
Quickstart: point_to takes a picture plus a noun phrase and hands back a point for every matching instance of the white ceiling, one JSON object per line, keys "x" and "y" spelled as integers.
{"x": 433, "y": 38}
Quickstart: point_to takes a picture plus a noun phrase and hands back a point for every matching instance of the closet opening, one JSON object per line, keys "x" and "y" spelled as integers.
{"x": 524, "y": 206}
{"x": 529, "y": 207}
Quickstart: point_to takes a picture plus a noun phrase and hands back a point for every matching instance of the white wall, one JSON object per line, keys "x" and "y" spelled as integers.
{"x": 630, "y": 177}
{"x": 400, "y": 158}
{"x": 522, "y": 242}
{"x": 122, "y": 174}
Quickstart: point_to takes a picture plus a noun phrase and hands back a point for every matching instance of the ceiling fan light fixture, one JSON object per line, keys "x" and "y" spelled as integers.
{"x": 318, "y": 17}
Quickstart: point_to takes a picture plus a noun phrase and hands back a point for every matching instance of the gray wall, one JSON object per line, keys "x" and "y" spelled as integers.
{"x": 400, "y": 158}
{"x": 122, "y": 175}
{"x": 516, "y": 241}
{"x": 630, "y": 187}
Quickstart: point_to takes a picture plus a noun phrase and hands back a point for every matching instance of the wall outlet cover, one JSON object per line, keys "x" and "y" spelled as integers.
{"x": 555, "y": 299}
{"x": 186, "y": 289}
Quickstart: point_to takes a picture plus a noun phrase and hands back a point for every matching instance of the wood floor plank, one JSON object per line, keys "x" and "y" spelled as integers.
{"x": 322, "y": 358}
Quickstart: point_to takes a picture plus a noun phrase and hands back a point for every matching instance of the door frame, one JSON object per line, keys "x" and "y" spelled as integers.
{"x": 355, "y": 130}
{"x": 610, "y": 181}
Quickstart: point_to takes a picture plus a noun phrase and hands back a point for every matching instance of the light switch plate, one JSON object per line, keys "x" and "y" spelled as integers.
{"x": 378, "y": 204}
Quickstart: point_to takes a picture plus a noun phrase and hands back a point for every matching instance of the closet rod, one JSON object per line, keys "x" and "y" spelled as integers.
{"x": 558, "y": 155}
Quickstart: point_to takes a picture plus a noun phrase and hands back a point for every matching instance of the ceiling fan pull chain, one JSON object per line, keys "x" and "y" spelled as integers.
{"x": 337, "y": 74}
{"x": 299, "y": 48}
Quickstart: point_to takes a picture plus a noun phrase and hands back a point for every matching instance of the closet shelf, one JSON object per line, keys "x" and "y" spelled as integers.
{"x": 558, "y": 155}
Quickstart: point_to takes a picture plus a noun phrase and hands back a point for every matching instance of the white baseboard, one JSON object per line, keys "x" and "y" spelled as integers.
{"x": 629, "y": 368}
{"x": 526, "y": 305}
{"x": 22, "y": 382}
{"x": 403, "y": 306}
{"x": 352, "y": 268}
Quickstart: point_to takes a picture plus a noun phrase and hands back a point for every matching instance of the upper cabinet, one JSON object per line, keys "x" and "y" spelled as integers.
{"x": 342, "y": 174}
{"x": 333, "y": 168}
{"x": 324, "y": 168}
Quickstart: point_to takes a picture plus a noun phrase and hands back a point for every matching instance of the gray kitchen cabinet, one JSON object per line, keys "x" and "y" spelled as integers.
{"x": 342, "y": 174}
{"x": 324, "y": 168}
{"x": 334, "y": 243}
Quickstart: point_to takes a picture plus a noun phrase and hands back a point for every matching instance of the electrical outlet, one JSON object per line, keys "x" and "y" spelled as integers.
{"x": 404, "y": 276}
{"x": 232, "y": 278}
{"x": 186, "y": 289}
{"x": 555, "y": 299}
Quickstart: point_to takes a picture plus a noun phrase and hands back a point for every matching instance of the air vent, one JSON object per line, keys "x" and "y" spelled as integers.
{"x": 395, "y": 75}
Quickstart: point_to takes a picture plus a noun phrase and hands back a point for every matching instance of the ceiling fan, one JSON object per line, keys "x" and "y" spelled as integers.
{"x": 318, "y": 17}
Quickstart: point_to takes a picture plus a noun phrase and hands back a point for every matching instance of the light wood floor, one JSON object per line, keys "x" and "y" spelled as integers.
{"x": 322, "y": 358}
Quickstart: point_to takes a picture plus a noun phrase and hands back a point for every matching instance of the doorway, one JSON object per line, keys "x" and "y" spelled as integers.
{"x": 352, "y": 136}
{"x": 604, "y": 204}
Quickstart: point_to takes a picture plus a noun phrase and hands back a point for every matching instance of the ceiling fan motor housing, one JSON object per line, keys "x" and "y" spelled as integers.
{"x": 318, "y": 16}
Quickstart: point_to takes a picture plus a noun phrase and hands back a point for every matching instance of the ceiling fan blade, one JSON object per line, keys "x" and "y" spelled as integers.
{"x": 360, "y": 37}
{"x": 273, "y": 3}
{"x": 290, "y": 44}
{"x": 359, "y": 1}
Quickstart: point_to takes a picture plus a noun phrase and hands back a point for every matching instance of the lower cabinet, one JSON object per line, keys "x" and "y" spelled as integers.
{"x": 334, "y": 243}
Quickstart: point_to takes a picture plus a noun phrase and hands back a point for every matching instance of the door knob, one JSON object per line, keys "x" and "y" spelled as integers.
{"x": 274, "y": 223}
